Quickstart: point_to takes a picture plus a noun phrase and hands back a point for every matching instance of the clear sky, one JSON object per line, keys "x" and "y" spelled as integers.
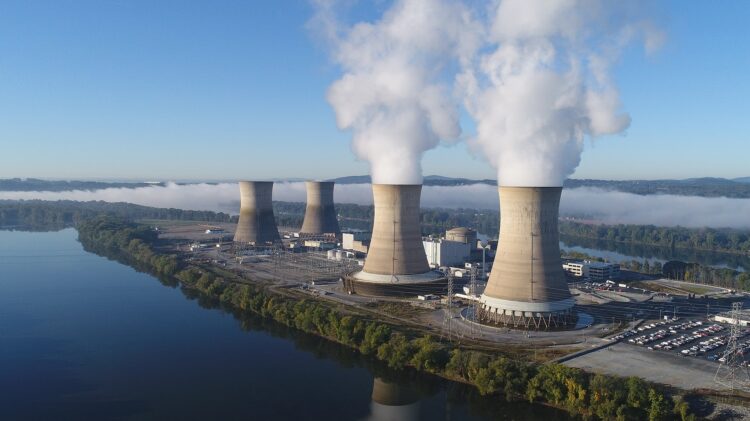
{"x": 217, "y": 90}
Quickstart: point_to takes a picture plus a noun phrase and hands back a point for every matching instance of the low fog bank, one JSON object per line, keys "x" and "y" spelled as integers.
{"x": 591, "y": 203}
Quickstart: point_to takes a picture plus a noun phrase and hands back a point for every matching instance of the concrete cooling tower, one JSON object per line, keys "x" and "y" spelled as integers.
{"x": 527, "y": 286}
{"x": 396, "y": 263}
{"x": 320, "y": 214}
{"x": 257, "y": 224}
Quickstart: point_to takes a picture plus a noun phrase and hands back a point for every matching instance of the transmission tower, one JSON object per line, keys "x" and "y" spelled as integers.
{"x": 473, "y": 328}
{"x": 731, "y": 372}
{"x": 448, "y": 312}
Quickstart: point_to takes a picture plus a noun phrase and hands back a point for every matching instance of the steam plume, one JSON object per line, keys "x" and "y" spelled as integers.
{"x": 542, "y": 85}
{"x": 393, "y": 95}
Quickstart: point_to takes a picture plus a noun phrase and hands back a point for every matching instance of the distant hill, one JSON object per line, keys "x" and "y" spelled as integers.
{"x": 742, "y": 179}
{"x": 34, "y": 184}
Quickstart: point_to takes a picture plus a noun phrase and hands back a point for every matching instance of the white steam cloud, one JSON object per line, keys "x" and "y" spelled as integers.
{"x": 603, "y": 206}
{"x": 394, "y": 93}
{"x": 541, "y": 85}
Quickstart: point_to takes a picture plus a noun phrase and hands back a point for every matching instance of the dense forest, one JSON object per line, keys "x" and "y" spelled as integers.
{"x": 39, "y": 215}
{"x": 581, "y": 393}
{"x": 710, "y": 239}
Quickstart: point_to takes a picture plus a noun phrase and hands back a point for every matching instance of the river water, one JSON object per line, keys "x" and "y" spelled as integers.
{"x": 622, "y": 252}
{"x": 84, "y": 337}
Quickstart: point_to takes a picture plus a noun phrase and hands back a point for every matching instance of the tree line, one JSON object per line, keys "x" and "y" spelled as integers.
{"x": 725, "y": 240}
{"x": 580, "y": 393}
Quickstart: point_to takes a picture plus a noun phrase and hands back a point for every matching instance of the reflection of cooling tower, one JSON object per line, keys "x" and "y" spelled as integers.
{"x": 256, "y": 224}
{"x": 320, "y": 214}
{"x": 391, "y": 401}
{"x": 396, "y": 263}
{"x": 527, "y": 285}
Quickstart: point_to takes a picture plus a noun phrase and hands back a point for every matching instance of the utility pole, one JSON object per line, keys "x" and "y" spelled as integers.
{"x": 730, "y": 373}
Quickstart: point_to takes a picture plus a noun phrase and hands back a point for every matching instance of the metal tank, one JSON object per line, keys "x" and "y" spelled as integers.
{"x": 320, "y": 213}
{"x": 257, "y": 224}
{"x": 527, "y": 286}
{"x": 396, "y": 263}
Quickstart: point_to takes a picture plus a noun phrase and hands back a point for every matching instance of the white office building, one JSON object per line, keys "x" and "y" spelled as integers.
{"x": 592, "y": 271}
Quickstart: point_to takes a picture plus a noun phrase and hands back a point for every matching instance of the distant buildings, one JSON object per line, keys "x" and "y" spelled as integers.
{"x": 592, "y": 271}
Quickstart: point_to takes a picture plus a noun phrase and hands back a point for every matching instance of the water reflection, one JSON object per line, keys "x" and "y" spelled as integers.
{"x": 392, "y": 401}
{"x": 621, "y": 252}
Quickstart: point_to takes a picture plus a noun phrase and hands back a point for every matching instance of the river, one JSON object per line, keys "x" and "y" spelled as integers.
{"x": 84, "y": 337}
{"x": 622, "y": 252}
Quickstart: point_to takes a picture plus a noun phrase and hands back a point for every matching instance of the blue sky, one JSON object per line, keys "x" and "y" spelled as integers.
{"x": 236, "y": 90}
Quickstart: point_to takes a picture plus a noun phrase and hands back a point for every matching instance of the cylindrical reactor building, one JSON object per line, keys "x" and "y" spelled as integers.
{"x": 527, "y": 286}
{"x": 320, "y": 214}
{"x": 396, "y": 263}
{"x": 257, "y": 224}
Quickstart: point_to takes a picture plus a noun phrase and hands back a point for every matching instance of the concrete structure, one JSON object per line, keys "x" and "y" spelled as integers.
{"x": 396, "y": 263}
{"x": 527, "y": 286}
{"x": 320, "y": 214}
{"x": 257, "y": 224}
{"x": 356, "y": 241}
{"x": 442, "y": 252}
{"x": 592, "y": 271}
{"x": 742, "y": 320}
{"x": 462, "y": 235}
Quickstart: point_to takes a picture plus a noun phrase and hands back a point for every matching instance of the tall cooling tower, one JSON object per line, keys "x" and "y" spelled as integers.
{"x": 320, "y": 214}
{"x": 527, "y": 286}
{"x": 391, "y": 401}
{"x": 396, "y": 263}
{"x": 257, "y": 224}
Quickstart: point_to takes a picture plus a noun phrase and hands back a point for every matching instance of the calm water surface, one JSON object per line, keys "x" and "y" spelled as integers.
{"x": 83, "y": 337}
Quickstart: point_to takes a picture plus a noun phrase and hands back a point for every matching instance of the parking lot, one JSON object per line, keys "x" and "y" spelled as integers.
{"x": 686, "y": 338}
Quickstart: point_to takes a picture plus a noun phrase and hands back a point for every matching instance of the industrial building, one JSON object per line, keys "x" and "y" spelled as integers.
{"x": 320, "y": 213}
{"x": 742, "y": 320}
{"x": 527, "y": 286}
{"x": 358, "y": 242}
{"x": 256, "y": 224}
{"x": 396, "y": 263}
{"x": 592, "y": 271}
{"x": 443, "y": 252}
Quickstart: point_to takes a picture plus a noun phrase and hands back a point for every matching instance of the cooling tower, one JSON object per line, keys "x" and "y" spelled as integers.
{"x": 256, "y": 224}
{"x": 320, "y": 214}
{"x": 396, "y": 263}
{"x": 527, "y": 286}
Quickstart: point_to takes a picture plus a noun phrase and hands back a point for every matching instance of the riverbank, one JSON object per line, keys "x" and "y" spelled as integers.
{"x": 578, "y": 392}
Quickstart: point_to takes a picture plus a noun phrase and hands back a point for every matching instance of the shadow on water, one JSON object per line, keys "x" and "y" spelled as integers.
{"x": 618, "y": 252}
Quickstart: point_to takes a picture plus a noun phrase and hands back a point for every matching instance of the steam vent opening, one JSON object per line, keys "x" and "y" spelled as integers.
{"x": 396, "y": 264}
{"x": 527, "y": 286}
{"x": 256, "y": 224}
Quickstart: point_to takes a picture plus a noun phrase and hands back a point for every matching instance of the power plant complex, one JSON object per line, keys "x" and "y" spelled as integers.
{"x": 527, "y": 285}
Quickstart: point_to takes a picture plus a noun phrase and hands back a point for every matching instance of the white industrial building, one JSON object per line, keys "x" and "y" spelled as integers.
{"x": 441, "y": 252}
{"x": 742, "y": 320}
{"x": 592, "y": 271}
{"x": 356, "y": 241}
